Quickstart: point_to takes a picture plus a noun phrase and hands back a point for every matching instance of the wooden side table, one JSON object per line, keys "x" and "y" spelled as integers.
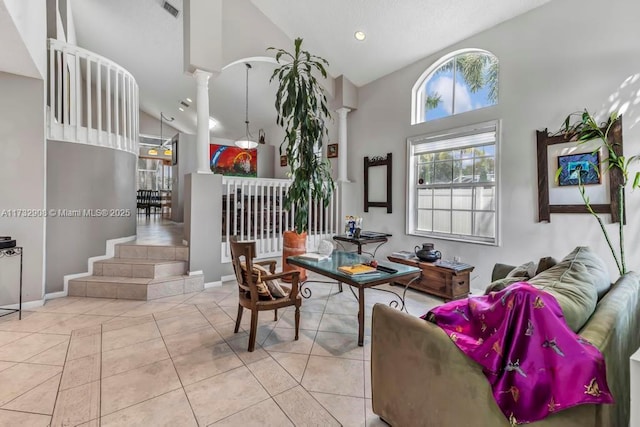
{"x": 444, "y": 282}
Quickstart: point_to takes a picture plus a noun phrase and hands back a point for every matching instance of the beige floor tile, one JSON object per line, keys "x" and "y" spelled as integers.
{"x": 341, "y": 306}
{"x": 179, "y": 310}
{"x": 282, "y": 340}
{"x": 55, "y": 303}
{"x": 129, "y": 336}
{"x": 264, "y": 414}
{"x": 337, "y": 345}
{"x": 6, "y": 365}
{"x": 182, "y": 324}
{"x": 132, "y": 387}
{"x": 7, "y": 337}
{"x": 349, "y": 411}
{"x": 22, "y": 377}
{"x": 303, "y": 409}
{"x": 115, "y": 308}
{"x": 308, "y": 320}
{"x": 133, "y": 356}
{"x": 186, "y": 343}
{"x": 313, "y": 305}
{"x": 293, "y": 363}
{"x": 77, "y": 322}
{"x": 206, "y": 362}
{"x": 92, "y": 423}
{"x": 273, "y": 377}
{"x": 240, "y": 346}
{"x": 85, "y": 342}
{"x": 77, "y": 405}
{"x": 33, "y": 322}
{"x": 339, "y": 323}
{"x": 29, "y": 346}
{"x": 82, "y": 305}
{"x": 81, "y": 371}
{"x": 170, "y": 409}
{"x": 39, "y": 400}
{"x": 149, "y": 308}
{"x": 334, "y": 375}
{"x": 215, "y": 315}
{"x": 367, "y": 380}
{"x": 178, "y": 299}
{"x": 13, "y": 418}
{"x": 227, "y": 331}
{"x": 205, "y": 298}
{"x": 234, "y": 391}
{"x": 125, "y": 322}
{"x": 228, "y": 301}
{"x": 56, "y": 355}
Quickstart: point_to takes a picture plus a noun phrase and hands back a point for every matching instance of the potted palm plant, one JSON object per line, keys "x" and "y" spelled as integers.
{"x": 302, "y": 112}
{"x": 584, "y": 129}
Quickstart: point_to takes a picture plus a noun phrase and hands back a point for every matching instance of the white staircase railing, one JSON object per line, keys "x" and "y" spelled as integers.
{"x": 252, "y": 209}
{"x": 92, "y": 100}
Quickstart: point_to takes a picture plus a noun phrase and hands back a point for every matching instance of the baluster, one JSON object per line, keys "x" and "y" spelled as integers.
{"x": 88, "y": 60}
{"x": 115, "y": 104}
{"x": 124, "y": 114}
{"x": 78, "y": 97}
{"x": 262, "y": 227}
{"x": 227, "y": 220}
{"x": 99, "y": 100}
{"x": 65, "y": 93}
{"x": 284, "y": 220}
{"x": 52, "y": 75}
{"x": 59, "y": 87}
{"x": 108, "y": 96}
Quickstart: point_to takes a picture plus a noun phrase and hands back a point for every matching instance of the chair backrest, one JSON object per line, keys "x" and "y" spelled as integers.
{"x": 243, "y": 253}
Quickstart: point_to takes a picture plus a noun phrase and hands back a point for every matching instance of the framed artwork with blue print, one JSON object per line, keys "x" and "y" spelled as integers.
{"x": 578, "y": 169}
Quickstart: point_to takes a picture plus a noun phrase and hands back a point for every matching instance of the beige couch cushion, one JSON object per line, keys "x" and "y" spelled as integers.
{"x": 595, "y": 265}
{"x": 571, "y": 283}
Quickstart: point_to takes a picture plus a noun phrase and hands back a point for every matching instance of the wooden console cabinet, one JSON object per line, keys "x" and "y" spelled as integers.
{"x": 436, "y": 280}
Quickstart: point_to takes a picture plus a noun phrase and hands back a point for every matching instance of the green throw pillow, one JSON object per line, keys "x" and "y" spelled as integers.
{"x": 595, "y": 265}
{"x": 571, "y": 283}
{"x": 500, "y": 284}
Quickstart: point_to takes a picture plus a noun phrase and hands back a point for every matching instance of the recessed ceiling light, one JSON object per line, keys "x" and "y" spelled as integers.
{"x": 188, "y": 99}
{"x": 212, "y": 123}
{"x": 180, "y": 108}
{"x": 359, "y": 35}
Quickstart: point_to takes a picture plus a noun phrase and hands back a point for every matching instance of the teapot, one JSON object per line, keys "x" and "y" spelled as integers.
{"x": 427, "y": 253}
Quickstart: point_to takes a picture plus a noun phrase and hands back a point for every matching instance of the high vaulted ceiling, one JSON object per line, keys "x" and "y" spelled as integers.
{"x": 146, "y": 40}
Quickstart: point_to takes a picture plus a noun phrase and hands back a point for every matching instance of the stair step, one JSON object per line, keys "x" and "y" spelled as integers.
{"x": 134, "y": 288}
{"x": 139, "y": 268}
{"x": 152, "y": 252}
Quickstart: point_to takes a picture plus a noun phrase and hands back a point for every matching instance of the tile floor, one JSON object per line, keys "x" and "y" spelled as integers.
{"x": 177, "y": 362}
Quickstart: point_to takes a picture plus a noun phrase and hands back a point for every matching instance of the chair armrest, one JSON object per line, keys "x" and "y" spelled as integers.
{"x": 270, "y": 262}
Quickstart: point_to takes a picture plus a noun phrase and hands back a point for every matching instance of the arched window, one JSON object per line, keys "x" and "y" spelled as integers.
{"x": 459, "y": 82}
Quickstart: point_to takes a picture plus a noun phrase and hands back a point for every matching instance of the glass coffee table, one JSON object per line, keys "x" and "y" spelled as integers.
{"x": 329, "y": 268}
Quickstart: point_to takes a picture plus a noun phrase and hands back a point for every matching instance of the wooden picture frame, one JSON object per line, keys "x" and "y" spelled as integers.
{"x": 545, "y": 209}
{"x": 174, "y": 150}
{"x": 373, "y": 162}
{"x": 332, "y": 150}
{"x": 283, "y": 161}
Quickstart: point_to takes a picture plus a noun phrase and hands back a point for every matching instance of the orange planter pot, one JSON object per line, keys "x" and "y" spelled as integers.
{"x": 293, "y": 244}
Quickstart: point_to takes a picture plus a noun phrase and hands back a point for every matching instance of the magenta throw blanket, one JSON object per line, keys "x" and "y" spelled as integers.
{"x": 535, "y": 364}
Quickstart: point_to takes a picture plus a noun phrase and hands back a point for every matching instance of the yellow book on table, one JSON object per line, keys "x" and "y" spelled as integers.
{"x": 356, "y": 269}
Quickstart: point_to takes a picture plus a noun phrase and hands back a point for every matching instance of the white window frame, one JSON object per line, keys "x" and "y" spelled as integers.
{"x": 418, "y": 94}
{"x": 439, "y": 138}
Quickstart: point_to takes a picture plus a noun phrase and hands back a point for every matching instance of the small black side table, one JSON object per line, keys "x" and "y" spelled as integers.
{"x": 9, "y": 253}
{"x": 381, "y": 239}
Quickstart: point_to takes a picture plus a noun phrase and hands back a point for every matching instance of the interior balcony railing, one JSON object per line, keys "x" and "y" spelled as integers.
{"x": 253, "y": 209}
{"x": 91, "y": 99}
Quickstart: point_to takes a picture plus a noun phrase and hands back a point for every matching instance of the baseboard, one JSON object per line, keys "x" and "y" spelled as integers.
{"x": 196, "y": 273}
{"x": 213, "y": 284}
{"x": 227, "y": 278}
{"x": 26, "y": 305}
{"x": 54, "y": 295}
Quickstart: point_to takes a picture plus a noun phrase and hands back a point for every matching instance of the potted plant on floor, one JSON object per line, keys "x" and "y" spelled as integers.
{"x": 302, "y": 112}
{"x": 585, "y": 129}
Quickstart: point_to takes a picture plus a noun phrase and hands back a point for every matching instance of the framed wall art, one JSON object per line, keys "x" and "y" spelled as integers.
{"x": 332, "y": 150}
{"x": 583, "y": 168}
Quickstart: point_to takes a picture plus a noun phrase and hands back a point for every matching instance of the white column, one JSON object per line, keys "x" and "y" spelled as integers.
{"x": 202, "y": 133}
{"x": 342, "y": 144}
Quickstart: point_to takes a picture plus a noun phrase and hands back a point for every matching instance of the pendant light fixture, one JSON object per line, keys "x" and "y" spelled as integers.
{"x": 247, "y": 142}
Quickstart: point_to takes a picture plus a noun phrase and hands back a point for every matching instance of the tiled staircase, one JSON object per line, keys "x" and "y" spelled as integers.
{"x": 139, "y": 272}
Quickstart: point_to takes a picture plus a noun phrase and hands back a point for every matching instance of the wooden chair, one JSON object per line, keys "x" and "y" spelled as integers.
{"x": 242, "y": 254}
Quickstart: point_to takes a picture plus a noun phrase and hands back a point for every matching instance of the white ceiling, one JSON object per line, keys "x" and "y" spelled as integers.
{"x": 147, "y": 41}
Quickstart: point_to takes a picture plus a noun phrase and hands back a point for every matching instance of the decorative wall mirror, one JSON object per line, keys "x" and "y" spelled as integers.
{"x": 377, "y": 183}
{"x": 550, "y": 154}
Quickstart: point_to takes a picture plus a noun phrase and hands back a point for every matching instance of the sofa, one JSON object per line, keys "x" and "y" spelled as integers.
{"x": 420, "y": 378}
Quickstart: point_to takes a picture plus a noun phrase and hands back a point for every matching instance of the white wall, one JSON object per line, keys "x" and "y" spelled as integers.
{"x": 23, "y": 31}
{"x": 22, "y": 175}
{"x": 551, "y": 64}
{"x": 149, "y": 125}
